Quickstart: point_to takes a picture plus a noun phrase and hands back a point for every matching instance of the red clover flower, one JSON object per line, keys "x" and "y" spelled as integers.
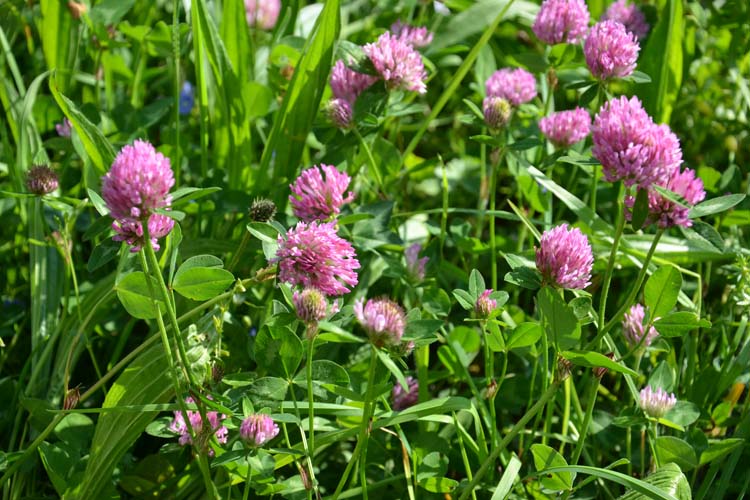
{"x": 656, "y": 403}
{"x": 340, "y": 113}
{"x": 313, "y": 255}
{"x": 666, "y": 213}
{"x": 316, "y": 198}
{"x": 262, "y": 14}
{"x": 631, "y": 147}
{"x": 497, "y": 111}
{"x": 131, "y": 231}
{"x": 180, "y": 427}
{"x": 135, "y": 187}
{"x": 634, "y": 329}
{"x": 485, "y": 305}
{"x": 415, "y": 267}
{"x": 562, "y": 21}
{"x": 383, "y": 320}
{"x": 564, "y": 258}
{"x": 517, "y": 85}
{"x": 403, "y": 399}
{"x": 397, "y": 63}
{"x": 565, "y": 128}
{"x": 630, "y": 16}
{"x": 64, "y": 128}
{"x": 611, "y": 51}
{"x": 41, "y": 180}
{"x": 311, "y": 306}
{"x": 347, "y": 84}
{"x": 256, "y": 430}
{"x": 138, "y": 182}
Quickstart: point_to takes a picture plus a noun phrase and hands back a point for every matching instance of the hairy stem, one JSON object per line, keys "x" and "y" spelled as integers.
{"x": 363, "y": 433}
{"x": 633, "y": 292}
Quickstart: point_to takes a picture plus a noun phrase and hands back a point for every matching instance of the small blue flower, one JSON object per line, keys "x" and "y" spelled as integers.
{"x": 252, "y": 332}
{"x": 187, "y": 98}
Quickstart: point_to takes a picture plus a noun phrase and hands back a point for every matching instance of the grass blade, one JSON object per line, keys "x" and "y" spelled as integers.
{"x": 295, "y": 118}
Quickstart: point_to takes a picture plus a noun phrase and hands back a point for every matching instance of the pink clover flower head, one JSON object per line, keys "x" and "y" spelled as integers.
{"x": 631, "y": 147}
{"x": 485, "y": 305}
{"x": 311, "y": 306}
{"x": 497, "y": 111}
{"x": 611, "y": 51}
{"x": 340, "y": 113}
{"x": 416, "y": 36}
{"x": 397, "y": 63}
{"x": 656, "y": 403}
{"x": 138, "y": 182}
{"x": 666, "y": 213}
{"x": 415, "y": 267}
{"x": 564, "y": 258}
{"x": 562, "y": 21}
{"x": 64, "y": 128}
{"x": 317, "y": 198}
{"x": 666, "y": 150}
{"x": 383, "y": 320}
{"x": 517, "y": 86}
{"x": 565, "y": 128}
{"x": 630, "y": 16}
{"x": 262, "y": 14}
{"x": 257, "y": 430}
{"x": 634, "y": 330}
{"x": 41, "y": 180}
{"x": 201, "y": 430}
{"x": 131, "y": 231}
{"x": 314, "y": 256}
{"x": 348, "y": 84}
{"x": 403, "y": 399}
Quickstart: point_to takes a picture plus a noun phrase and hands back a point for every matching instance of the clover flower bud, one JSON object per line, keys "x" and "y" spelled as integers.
{"x": 656, "y": 403}
{"x": 41, "y": 180}
{"x": 257, "y": 430}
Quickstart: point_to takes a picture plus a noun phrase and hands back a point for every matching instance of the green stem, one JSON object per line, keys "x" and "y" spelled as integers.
{"x": 566, "y": 412}
{"x": 156, "y": 273}
{"x": 489, "y": 461}
{"x": 176, "y": 90}
{"x": 305, "y": 447}
{"x": 633, "y": 292}
{"x": 310, "y": 398}
{"x": 488, "y": 421}
{"x": 492, "y": 196}
{"x": 653, "y": 433}
{"x": 162, "y": 331}
{"x": 482, "y": 199}
{"x": 489, "y": 371}
{"x": 629, "y": 449}
{"x": 586, "y": 420}
{"x": 422, "y": 360}
{"x": 503, "y": 372}
{"x": 363, "y": 433}
{"x": 246, "y": 492}
{"x": 236, "y": 257}
{"x": 464, "y": 457}
{"x": 371, "y": 160}
{"x": 155, "y": 270}
{"x": 611, "y": 262}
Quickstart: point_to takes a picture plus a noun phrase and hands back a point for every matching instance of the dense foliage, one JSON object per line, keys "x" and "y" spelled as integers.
{"x": 408, "y": 249}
